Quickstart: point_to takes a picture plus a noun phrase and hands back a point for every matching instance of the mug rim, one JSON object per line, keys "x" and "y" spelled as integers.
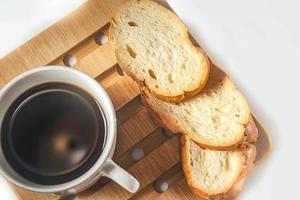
{"x": 88, "y": 84}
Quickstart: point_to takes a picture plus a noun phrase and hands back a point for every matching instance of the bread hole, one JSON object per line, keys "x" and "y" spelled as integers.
{"x": 187, "y": 111}
{"x": 216, "y": 177}
{"x": 170, "y": 78}
{"x": 156, "y": 86}
{"x": 120, "y": 71}
{"x": 133, "y": 24}
{"x": 215, "y": 120}
{"x": 206, "y": 174}
{"x": 227, "y": 165}
{"x": 69, "y": 60}
{"x": 161, "y": 186}
{"x": 183, "y": 66}
{"x": 131, "y": 51}
{"x": 237, "y": 115}
{"x": 209, "y": 93}
{"x": 192, "y": 162}
{"x": 152, "y": 74}
{"x": 221, "y": 163}
{"x": 101, "y": 38}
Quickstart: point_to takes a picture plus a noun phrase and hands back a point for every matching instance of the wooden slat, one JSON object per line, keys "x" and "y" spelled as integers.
{"x": 146, "y": 170}
{"x": 58, "y": 38}
{"x": 147, "y": 140}
{"x": 27, "y": 195}
{"x": 131, "y": 108}
{"x": 98, "y": 61}
{"x": 83, "y": 48}
{"x": 116, "y": 85}
{"x": 133, "y": 131}
{"x": 171, "y": 177}
{"x": 180, "y": 189}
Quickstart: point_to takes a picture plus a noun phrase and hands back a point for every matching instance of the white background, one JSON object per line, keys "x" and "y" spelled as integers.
{"x": 20, "y": 20}
{"x": 256, "y": 41}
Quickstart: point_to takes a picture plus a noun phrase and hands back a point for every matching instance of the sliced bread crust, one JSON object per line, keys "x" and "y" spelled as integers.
{"x": 187, "y": 117}
{"x": 152, "y": 46}
{"x": 242, "y": 160}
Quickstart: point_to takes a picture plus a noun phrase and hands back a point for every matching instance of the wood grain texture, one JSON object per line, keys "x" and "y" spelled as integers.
{"x": 75, "y": 34}
{"x": 146, "y": 170}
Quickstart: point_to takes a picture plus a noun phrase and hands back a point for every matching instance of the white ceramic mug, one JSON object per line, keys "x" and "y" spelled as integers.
{"x": 104, "y": 166}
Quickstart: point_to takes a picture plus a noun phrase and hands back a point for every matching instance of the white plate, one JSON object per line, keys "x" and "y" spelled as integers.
{"x": 257, "y": 42}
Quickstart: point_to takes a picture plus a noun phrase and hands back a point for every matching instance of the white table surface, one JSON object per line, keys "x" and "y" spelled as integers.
{"x": 257, "y": 42}
{"x": 20, "y": 20}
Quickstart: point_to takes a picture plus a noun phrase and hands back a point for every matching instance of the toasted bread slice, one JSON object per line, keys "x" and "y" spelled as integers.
{"x": 215, "y": 118}
{"x": 250, "y": 134}
{"x": 153, "y": 47}
{"x": 216, "y": 174}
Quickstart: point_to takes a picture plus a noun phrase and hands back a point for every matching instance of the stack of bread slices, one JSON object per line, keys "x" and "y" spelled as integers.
{"x": 189, "y": 95}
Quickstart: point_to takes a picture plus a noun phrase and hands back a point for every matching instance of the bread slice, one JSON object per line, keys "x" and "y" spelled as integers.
{"x": 250, "y": 134}
{"x": 216, "y": 174}
{"x": 152, "y": 46}
{"x": 215, "y": 118}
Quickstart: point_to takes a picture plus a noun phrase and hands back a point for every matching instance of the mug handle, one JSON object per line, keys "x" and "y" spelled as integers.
{"x": 119, "y": 175}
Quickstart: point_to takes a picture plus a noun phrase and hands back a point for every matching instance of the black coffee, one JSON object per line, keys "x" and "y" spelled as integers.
{"x": 53, "y": 133}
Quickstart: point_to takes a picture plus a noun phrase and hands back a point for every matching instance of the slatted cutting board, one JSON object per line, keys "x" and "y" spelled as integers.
{"x": 75, "y": 35}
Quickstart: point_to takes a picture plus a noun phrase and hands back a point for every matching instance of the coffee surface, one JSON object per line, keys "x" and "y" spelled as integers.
{"x": 53, "y": 133}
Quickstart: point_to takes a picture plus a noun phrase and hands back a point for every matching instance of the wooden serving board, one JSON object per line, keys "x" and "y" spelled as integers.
{"x": 75, "y": 35}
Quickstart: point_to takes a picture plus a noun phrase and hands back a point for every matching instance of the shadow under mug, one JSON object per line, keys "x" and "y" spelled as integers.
{"x": 104, "y": 166}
